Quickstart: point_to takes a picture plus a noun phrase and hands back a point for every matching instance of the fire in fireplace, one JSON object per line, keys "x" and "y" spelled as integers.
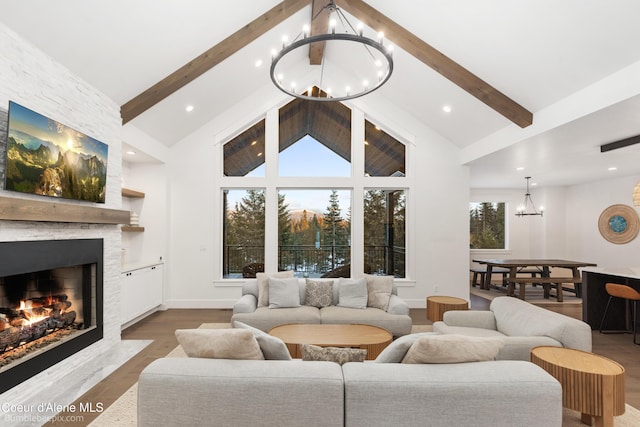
{"x": 50, "y": 304}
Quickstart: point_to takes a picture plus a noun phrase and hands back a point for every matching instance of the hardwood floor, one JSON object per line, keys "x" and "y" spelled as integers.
{"x": 160, "y": 328}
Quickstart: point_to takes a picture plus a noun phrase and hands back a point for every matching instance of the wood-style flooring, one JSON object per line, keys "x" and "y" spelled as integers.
{"x": 160, "y": 327}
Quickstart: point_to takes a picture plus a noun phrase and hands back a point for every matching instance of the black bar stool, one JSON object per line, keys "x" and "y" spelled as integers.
{"x": 629, "y": 295}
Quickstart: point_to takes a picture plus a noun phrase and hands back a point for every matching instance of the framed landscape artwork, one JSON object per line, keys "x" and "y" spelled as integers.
{"x": 48, "y": 158}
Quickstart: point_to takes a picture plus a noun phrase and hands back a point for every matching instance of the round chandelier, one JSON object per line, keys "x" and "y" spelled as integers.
{"x": 352, "y": 65}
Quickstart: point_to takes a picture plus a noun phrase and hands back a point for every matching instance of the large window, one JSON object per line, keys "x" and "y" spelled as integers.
{"x": 384, "y": 232}
{"x": 243, "y": 237}
{"x": 487, "y": 221}
{"x": 300, "y": 213}
{"x": 314, "y": 239}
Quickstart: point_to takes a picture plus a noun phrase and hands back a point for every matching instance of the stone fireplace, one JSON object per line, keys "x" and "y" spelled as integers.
{"x": 51, "y": 304}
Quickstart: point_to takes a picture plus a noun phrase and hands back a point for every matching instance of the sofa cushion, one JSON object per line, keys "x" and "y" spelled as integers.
{"x": 319, "y": 293}
{"x": 352, "y": 293}
{"x": 273, "y": 348}
{"x": 453, "y": 349}
{"x": 339, "y": 355}
{"x": 219, "y": 343}
{"x": 378, "y": 291}
{"x": 284, "y": 293}
{"x": 263, "y": 285}
{"x": 395, "y": 352}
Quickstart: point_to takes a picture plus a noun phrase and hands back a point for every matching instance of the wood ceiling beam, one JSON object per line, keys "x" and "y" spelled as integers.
{"x": 209, "y": 59}
{"x": 319, "y": 25}
{"x": 620, "y": 144}
{"x": 444, "y": 65}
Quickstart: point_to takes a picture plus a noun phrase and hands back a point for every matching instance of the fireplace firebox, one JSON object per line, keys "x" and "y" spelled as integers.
{"x": 51, "y": 294}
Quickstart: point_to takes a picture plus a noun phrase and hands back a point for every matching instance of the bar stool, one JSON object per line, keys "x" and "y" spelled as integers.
{"x": 629, "y": 295}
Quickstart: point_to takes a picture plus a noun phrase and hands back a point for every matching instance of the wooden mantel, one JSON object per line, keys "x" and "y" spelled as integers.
{"x": 13, "y": 209}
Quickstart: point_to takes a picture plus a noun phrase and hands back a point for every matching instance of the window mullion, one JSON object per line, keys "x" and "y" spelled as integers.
{"x": 271, "y": 191}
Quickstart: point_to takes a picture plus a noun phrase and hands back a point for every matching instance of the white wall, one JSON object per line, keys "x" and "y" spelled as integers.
{"x": 36, "y": 81}
{"x": 585, "y": 203}
{"x": 439, "y": 228}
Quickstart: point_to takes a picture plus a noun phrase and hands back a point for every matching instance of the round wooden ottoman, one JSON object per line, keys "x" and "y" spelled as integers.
{"x": 437, "y": 305}
{"x": 591, "y": 384}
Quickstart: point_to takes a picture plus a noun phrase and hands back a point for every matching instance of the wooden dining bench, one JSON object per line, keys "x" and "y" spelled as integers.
{"x": 546, "y": 282}
{"x": 481, "y": 271}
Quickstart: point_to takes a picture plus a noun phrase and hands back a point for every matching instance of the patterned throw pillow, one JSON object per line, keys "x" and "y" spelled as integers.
{"x": 319, "y": 293}
{"x": 332, "y": 354}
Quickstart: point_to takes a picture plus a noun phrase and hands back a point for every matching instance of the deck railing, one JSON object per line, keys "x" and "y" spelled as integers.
{"x": 315, "y": 261}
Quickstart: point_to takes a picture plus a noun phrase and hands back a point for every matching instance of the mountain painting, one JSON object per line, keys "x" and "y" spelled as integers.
{"x": 48, "y": 158}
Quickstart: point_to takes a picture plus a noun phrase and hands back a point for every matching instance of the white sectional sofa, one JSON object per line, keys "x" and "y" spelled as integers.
{"x": 394, "y": 319}
{"x": 221, "y": 392}
{"x": 522, "y": 326}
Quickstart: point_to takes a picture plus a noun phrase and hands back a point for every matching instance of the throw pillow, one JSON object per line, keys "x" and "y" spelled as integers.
{"x": 379, "y": 291}
{"x": 319, "y": 293}
{"x": 273, "y": 348}
{"x": 352, "y": 293}
{"x": 219, "y": 343}
{"x": 332, "y": 354}
{"x": 263, "y": 285}
{"x": 395, "y": 352}
{"x": 453, "y": 349}
{"x": 284, "y": 293}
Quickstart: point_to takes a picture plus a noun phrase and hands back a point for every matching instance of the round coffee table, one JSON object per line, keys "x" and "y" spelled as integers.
{"x": 371, "y": 338}
{"x": 591, "y": 384}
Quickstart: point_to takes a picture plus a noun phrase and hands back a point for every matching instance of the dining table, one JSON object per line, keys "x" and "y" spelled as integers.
{"x": 544, "y": 266}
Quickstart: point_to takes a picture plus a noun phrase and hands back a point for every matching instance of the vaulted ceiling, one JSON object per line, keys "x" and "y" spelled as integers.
{"x": 570, "y": 67}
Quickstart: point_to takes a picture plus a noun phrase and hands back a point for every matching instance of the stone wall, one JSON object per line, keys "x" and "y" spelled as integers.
{"x": 36, "y": 81}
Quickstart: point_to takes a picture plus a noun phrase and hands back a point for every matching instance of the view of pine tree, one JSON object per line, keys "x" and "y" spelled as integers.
{"x": 377, "y": 233}
{"x": 487, "y": 223}
{"x": 284, "y": 221}
{"x": 245, "y": 226}
{"x": 335, "y": 228}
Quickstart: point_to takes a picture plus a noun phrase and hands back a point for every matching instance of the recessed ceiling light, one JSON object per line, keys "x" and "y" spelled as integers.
{"x": 612, "y": 168}
{"x": 131, "y": 152}
{"x": 519, "y": 168}
{"x": 189, "y": 108}
{"x": 446, "y": 108}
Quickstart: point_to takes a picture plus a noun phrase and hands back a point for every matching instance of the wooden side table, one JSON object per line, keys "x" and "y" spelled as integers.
{"x": 437, "y": 305}
{"x": 591, "y": 384}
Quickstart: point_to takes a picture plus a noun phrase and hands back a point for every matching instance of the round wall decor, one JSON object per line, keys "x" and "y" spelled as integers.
{"x": 619, "y": 224}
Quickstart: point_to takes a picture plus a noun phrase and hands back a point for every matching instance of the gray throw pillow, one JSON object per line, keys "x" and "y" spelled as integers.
{"x": 262, "y": 279}
{"x": 273, "y": 348}
{"x": 284, "y": 293}
{"x": 453, "y": 349}
{"x": 352, "y": 293}
{"x": 379, "y": 291}
{"x": 332, "y": 354}
{"x": 319, "y": 293}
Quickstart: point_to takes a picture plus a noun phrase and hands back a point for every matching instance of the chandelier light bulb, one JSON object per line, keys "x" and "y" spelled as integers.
{"x": 365, "y": 84}
{"x": 360, "y": 27}
{"x": 274, "y": 52}
{"x": 332, "y": 26}
{"x": 306, "y": 29}
{"x": 280, "y": 77}
{"x": 380, "y": 36}
{"x": 347, "y": 89}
